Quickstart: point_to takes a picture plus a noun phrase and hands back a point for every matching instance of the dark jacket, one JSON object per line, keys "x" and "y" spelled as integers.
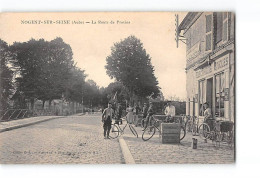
{"x": 145, "y": 109}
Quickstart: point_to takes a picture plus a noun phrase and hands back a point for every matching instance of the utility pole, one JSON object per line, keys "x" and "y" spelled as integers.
{"x": 82, "y": 100}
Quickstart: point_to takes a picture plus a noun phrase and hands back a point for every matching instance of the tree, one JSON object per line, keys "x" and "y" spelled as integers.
{"x": 75, "y": 85}
{"x": 6, "y": 75}
{"x": 92, "y": 95}
{"x": 129, "y": 64}
{"x": 44, "y": 68}
{"x": 118, "y": 89}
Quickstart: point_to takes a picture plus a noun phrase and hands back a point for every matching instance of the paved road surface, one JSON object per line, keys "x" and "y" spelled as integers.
{"x": 74, "y": 139}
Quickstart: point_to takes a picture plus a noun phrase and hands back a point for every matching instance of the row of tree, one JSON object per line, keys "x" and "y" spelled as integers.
{"x": 45, "y": 70}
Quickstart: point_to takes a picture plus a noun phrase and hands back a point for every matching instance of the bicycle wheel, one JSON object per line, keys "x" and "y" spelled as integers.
{"x": 114, "y": 133}
{"x": 204, "y": 131}
{"x": 148, "y": 133}
{"x": 132, "y": 129}
{"x": 183, "y": 133}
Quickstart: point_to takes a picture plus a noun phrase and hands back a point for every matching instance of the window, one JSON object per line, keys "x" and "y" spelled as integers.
{"x": 209, "y": 22}
{"x": 225, "y": 33}
{"x": 219, "y": 26}
{"x": 220, "y": 94}
{"x": 202, "y": 96}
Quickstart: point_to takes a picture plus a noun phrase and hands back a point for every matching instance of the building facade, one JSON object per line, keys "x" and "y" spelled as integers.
{"x": 210, "y": 63}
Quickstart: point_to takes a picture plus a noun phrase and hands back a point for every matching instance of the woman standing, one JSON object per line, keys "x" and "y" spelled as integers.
{"x": 130, "y": 115}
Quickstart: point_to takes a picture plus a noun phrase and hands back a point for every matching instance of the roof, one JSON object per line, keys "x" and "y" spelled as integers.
{"x": 187, "y": 20}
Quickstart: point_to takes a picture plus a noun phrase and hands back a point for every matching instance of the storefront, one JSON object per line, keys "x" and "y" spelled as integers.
{"x": 213, "y": 87}
{"x": 210, "y": 67}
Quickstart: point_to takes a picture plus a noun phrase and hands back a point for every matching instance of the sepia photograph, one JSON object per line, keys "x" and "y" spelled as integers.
{"x": 118, "y": 87}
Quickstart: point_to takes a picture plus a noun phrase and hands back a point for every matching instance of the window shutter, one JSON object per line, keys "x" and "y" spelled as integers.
{"x": 225, "y": 32}
{"x": 208, "y": 42}
{"x": 209, "y": 25}
{"x": 219, "y": 27}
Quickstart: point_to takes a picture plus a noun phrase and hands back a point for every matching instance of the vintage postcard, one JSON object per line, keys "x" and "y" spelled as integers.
{"x": 117, "y": 88}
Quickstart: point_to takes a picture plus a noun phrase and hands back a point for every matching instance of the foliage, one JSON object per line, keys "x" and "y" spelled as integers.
{"x": 118, "y": 89}
{"x": 131, "y": 65}
{"x": 46, "y": 69}
{"x": 6, "y": 75}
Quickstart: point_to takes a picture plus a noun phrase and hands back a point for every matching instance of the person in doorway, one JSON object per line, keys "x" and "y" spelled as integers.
{"x": 107, "y": 120}
{"x": 208, "y": 115}
{"x": 207, "y": 112}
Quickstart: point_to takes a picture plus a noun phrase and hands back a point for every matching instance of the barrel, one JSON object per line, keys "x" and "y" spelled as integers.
{"x": 170, "y": 133}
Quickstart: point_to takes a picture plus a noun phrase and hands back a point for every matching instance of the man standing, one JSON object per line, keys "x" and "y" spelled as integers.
{"x": 107, "y": 120}
{"x": 169, "y": 112}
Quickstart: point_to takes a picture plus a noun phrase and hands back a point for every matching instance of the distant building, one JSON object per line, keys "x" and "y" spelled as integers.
{"x": 210, "y": 62}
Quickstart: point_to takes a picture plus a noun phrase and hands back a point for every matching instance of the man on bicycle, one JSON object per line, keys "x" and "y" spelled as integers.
{"x": 144, "y": 111}
{"x": 150, "y": 112}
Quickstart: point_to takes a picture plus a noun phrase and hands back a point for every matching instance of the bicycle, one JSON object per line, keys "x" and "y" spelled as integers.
{"x": 116, "y": 130}
{"x": 188, "y": 120}
{"x": 150, "y": 130}
{"x": 217, "y": 131}
{"x": 194, "y": 124}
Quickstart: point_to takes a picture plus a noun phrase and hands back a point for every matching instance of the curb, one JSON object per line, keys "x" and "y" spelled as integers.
{"x": 126, "y": 152}
{"x": 28, "y": 124}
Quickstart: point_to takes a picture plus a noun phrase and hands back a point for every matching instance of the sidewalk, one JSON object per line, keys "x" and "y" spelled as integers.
{"x": 14, "y": 124}
{"x": 154, "y": 152}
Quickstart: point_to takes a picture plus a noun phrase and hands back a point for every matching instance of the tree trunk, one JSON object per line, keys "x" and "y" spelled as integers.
{"x": 32, "y": 103}
{"x": 43, "y": 102}
{"x": 50, "y": 100}
{"x": 131, "y": 97}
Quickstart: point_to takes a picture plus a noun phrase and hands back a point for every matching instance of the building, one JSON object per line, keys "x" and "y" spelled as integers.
{"x": 210, "y": 62}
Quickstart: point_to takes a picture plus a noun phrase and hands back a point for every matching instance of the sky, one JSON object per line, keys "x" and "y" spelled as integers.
{"x": 91, "y": 42}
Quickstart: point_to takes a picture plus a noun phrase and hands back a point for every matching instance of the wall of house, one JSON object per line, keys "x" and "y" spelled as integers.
{"x": 196, "y": 54}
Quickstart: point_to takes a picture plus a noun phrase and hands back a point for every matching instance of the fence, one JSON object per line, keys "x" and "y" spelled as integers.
{"x": 13, "y": 114}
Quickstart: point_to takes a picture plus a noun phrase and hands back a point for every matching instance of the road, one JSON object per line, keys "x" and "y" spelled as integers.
{"x": 76, "y": 139}
{"x": 79, "y": 139}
